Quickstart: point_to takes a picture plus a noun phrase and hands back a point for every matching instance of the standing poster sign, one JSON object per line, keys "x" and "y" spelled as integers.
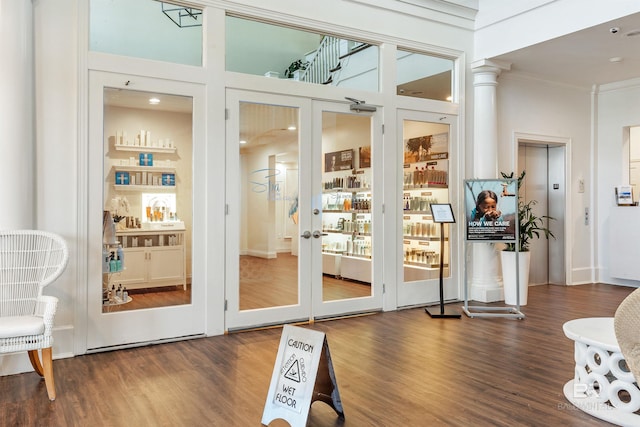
{"x": 491, "y": 207}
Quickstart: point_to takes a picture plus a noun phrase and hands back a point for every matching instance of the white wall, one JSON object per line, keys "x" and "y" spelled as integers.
{"x": 559, "y": 111}
{"x": 56, "y": 149}
{"x": 618, "y": 107}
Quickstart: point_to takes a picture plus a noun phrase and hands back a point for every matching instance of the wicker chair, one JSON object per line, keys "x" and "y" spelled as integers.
{"x": 29, "y": 261}
{"x": 627, "y": 326}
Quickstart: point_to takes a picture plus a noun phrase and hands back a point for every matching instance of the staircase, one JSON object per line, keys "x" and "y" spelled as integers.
{"x": 327, "y": 64}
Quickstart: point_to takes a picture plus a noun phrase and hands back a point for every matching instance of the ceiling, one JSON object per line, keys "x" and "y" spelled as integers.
{"x": 584, "y": 58}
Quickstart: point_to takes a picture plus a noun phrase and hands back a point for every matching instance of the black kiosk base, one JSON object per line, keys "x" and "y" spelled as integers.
{"x": 442, "y": 213}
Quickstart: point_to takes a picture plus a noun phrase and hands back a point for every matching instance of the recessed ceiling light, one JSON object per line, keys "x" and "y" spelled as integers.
{"x": 242, "y": 141}
{"x": 616, "y": 59}
{"x": 292, "y": 128}
{"x": 154, "y": 101}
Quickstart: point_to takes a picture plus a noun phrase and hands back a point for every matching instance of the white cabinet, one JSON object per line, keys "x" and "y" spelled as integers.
{"x": 152, "y": 259}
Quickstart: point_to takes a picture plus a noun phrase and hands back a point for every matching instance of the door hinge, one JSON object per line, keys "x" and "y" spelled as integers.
{"x": 226, "y": 209}
{"x": 384, "y": 288}
{"x": 383, "y": 208}
{"x": 225, "y": 305}
{"x": 383, "y": 129}
{"x": 226, "y": 114}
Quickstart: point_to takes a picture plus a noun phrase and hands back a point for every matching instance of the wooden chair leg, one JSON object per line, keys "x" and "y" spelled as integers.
{"x": 47, "y": 361}
{"x": 35, "y": 362}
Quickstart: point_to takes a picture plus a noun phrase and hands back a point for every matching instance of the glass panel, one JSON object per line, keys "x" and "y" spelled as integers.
{"x": 426, "y": 166}
{"x": 424, "y": 76}
{"x": 274, "y": 51}
{"x": 146, "y": 29}
{"x": 147, "y": 199}
{"x": 346, "y": 206}
{"x": 634, "y": 161}
{"x": 269, "y": 206}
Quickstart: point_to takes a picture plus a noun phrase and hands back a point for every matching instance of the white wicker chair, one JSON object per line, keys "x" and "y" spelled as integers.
{"x": 627, "y": 326}
{"x": 29, "y": 261}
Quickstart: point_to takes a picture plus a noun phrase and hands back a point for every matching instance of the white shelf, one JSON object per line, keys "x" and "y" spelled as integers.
{"x": 143, "y": 149}
{"x": 346, "y": 190}
{"x": 146, "y": 188}
{"x": 152, "y": 169}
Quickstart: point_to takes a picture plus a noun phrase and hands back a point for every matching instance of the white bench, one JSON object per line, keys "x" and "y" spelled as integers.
{"x": 602, "y": 385}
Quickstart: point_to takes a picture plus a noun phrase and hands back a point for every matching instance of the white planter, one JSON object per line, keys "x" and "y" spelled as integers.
{"x": 509, "y": 276}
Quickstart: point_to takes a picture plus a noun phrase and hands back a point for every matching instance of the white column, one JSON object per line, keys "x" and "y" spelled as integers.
{"x": 17, "y": 160}
{"x": 486, "y": 281}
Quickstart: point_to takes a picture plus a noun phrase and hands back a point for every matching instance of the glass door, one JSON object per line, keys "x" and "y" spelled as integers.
{"x": 426, "y": 164}
{"x": 347, "y": 180}
{"x": 269, "y": 238}
{"x": 301, "y": 207}
{"x": 146, "y": 148}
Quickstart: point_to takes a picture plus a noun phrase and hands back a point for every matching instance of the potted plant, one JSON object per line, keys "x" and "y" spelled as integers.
{"x": 530, "y": 226}
{"x": 293, "y": 71}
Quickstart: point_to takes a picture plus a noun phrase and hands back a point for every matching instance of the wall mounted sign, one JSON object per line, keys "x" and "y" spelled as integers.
{"x": 338, "y": 161}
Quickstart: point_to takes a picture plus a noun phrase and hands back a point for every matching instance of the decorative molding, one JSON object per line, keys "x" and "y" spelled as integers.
{"x": 456, "y": 13}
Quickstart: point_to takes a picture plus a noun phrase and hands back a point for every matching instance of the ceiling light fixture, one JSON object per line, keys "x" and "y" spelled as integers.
{"x": 242, "y": 141}
{"x": 154, "y": 101}
{"x": 616, "y": 59}
{"x": 292, "y": 127}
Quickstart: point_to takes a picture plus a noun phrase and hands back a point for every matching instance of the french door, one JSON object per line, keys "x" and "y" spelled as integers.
{"x": 146, "y": 156}
{"x": 301, "y": 211}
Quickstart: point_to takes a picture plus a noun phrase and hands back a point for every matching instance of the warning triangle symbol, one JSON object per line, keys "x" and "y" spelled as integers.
{"x": 293, "y": 373}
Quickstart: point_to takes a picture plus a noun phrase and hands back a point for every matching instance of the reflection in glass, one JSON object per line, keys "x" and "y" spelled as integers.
{"x": 269, "y": 233}
{"x": 147, "y": 200}
{"x": 270, "y": 50}
{"x": 634, "y": 160}
{"x": 347, "y": 222}
{"x": 425, "y": 181}
{"x": 146, "y": 29}
{"x": 424, "y": 76}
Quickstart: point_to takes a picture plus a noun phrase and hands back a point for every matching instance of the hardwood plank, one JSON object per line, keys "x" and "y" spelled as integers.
{"x": 393, "y": 369}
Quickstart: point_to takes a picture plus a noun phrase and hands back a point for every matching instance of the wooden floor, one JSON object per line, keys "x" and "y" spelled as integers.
{"x": 393, "y": 369}
{"x": 273, "y": 282}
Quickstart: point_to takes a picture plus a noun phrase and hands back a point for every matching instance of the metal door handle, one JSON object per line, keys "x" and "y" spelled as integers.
{"x": 317, "y": 234}
{"x": 306, "y": 234}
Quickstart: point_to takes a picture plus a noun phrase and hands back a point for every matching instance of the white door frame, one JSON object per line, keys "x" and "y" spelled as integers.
{"x": 242, "y": 319}
{"x": 310, "y": 305}
{"x": 565, "y": 144}
{"x": 428, "y": 291}
{"x": 373, "y": 302}
{"x": 136, "y": 327}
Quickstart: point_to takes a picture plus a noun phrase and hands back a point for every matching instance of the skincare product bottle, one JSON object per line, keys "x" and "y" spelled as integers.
{"x": 105, "y": 260}
{"x": 112, "y": 263}
{"x": 121, "y": 257}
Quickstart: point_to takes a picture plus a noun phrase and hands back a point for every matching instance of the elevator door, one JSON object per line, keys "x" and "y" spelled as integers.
{"x": 545, "y": 182}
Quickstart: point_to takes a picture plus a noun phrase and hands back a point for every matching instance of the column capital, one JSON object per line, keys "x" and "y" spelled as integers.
{"x": 490, "y": 66}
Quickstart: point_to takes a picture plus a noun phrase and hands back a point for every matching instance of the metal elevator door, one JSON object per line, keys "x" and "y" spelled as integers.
{"x": 545, "y": 182}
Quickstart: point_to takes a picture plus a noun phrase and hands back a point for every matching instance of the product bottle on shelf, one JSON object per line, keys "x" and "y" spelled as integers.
{"x": 120, "y": 253}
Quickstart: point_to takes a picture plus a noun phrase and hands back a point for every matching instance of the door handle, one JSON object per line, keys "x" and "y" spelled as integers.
{"x": 306, "y": 234}
{"x": 317, "y": 234}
